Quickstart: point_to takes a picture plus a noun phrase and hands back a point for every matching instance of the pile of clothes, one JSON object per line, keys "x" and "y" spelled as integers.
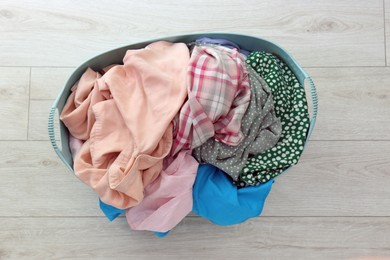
{"x": 202, "y": 127}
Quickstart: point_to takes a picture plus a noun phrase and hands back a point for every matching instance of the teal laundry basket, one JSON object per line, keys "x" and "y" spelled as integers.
{"x": 247, "y": 42}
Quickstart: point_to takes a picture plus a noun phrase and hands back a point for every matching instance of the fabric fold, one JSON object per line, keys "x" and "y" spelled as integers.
{"x": 168, "y": 199}
{"x": 218, "y": 96}
{"x": 222, "y": 42}
{"x": 291, "y": 107}
{"x": 260, "y": 126}
{"x": 221, "y": 202}
{"x": 129, "y": 121}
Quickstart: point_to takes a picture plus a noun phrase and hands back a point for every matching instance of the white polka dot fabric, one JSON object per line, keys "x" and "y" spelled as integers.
{"x": 260, "y": 126}
{"x": 291, "y": 107}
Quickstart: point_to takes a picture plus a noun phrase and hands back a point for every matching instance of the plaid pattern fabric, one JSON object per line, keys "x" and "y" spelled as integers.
{"x": 218, "y": 96}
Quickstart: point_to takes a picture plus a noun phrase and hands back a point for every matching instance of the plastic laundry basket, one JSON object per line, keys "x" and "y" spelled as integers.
{"x": 116, "y": 56}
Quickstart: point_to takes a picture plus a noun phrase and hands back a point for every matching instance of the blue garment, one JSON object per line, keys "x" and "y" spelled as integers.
{"x": 222, "y": 42}
{"x": 110, "y": 211}
{"x": 221, "y": 202}
{"x": 161, "y": 234}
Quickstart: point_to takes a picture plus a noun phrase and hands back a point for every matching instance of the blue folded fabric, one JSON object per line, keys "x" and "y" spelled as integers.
{"x": 161, "y": 234}
{"x": 110, "y": 211}
{"x": 222, "y": 42}
{"x": 218, "y": 200}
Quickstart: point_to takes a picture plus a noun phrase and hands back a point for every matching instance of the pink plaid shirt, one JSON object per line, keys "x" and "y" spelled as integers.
{"x": 218, "y": 96}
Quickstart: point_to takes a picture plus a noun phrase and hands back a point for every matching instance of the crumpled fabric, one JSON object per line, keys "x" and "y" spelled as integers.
{"x": 168, "y": 199}
{"x": 260, "y": 126}
{"x": 74, "y": 145}
{"x": 77, "y": 114}
{"x": 109, "y": 211}
{"x": 126, "y": 121}
{"x": 218, "y": 96}
{"x": 223, "y": 203}
{"x": 291, "y": 107}
{"x": 222, "y": 42}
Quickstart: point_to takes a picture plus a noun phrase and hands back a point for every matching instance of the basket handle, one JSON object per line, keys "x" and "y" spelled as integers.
{"x": 52, "y": 136}
{"x": 314, "y": 109}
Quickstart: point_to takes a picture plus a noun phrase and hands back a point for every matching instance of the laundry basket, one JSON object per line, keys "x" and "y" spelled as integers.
{"x": 115, "y": 56}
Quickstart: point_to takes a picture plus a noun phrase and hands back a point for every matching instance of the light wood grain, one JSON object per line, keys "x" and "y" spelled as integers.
{"x": 14, "y": 117}
{"x": 347, "y": 178}
{"x": 35, "y": 183}
{"x": 39, "y": 114}
{"x": 332, "y": 179}
{"x": 14, "y": 99}
{"x": 46, "y": 83}
{"x": 318, "y": 33}
{"x": 333, "y": 205}
{"x": 354, "y": 103}
{"x": 195, "y": 238}
{"x": 14, "y": 83}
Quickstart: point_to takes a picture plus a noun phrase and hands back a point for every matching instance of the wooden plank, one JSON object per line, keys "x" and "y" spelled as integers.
{"x": 318, "y": 33}
{"x": 36, "y": 183}
{"x": 332, "y": 179}
{"x": 46, "y": 83}
{"x": 346, "y": 178}
{"x": 14, "y": 83}
{"x": 354, "y": 103}
{"x": 39, "y": 114}
{"x": 195, "y": 238}
{"x": 14, "y": 92}
{"x": 13, "y": 116}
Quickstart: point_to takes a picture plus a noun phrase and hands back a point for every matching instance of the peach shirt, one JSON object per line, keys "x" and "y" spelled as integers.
{"x": 125, "y": 117}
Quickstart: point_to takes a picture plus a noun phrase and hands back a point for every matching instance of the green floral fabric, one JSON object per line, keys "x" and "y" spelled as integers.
{"x": 291, "y": 107}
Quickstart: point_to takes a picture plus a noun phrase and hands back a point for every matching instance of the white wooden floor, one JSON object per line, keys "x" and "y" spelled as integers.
{"x": 334, "y": 205}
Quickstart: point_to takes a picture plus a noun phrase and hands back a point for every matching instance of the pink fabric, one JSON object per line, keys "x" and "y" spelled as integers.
{"x": 125, "y": 117}
{"x": 74, "y": 145}
{"x": 77, "y": 113}
{"x": 168, "y": 199}
{"x": 218, "y": 96}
